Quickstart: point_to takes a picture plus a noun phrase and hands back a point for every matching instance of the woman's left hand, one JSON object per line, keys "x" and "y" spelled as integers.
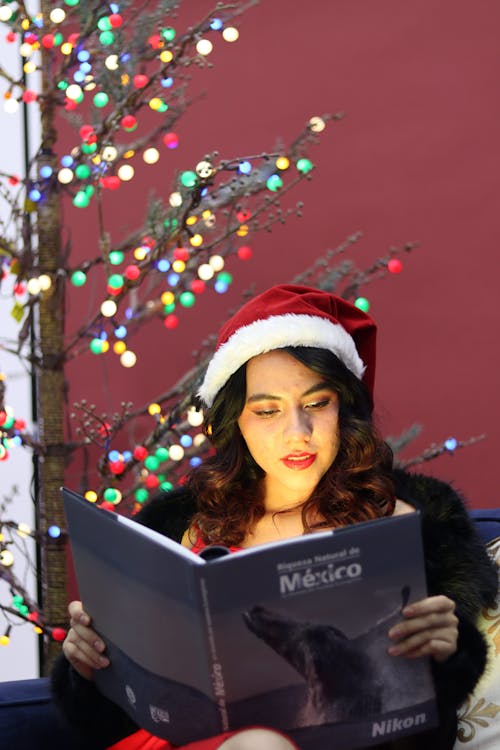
{"x": 429, "y": 628}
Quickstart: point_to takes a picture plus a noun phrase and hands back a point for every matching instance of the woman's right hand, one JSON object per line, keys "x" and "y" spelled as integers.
{"x": 82, "y": 647}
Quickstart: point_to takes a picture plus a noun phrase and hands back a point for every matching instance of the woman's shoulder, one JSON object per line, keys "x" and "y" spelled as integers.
{"x": 433, "y": 497}
{"x": 456, "y": 560}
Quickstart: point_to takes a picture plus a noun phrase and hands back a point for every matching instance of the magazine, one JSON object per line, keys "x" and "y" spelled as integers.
{"x": 290, "y": 635}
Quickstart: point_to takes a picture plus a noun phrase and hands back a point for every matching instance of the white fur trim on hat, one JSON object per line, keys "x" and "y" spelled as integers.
{"x": 276, "y": 332}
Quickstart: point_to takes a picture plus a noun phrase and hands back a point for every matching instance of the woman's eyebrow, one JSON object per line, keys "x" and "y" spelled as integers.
{"x": 271, "y": 397}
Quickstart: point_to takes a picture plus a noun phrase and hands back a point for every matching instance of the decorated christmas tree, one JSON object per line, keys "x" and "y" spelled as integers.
{"x": 108, "y": 85}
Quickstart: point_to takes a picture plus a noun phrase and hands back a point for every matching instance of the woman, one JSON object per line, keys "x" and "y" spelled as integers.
{"x": 288, "y": 398}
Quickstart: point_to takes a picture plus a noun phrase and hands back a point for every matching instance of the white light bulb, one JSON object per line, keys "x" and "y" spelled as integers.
{"x": 11, "y": 106}
{"x": 217, "y": 262}
{"x": 57, "y": 15}
{"x": 176, "y": 452}
{"x": 109, "y": 308}
{"x": 194, "y": 417}
{"x": 205, "y": 272}
{"x": 126, "y": 172}
{"x": 175, "y": 200}
{"x": 128, "y": 359}
{"x": 65, "y": 175}
{"x": 151, "y": 155}
{"x": 45, "y": 282}
{"x": 74, "y": 91}
{"x": 230, "y": 34}
{"x": 204, "y": 47}
{"x": 111, "y": 62}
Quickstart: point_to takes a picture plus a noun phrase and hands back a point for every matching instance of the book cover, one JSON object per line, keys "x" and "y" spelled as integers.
{"x": 291, "y": 635}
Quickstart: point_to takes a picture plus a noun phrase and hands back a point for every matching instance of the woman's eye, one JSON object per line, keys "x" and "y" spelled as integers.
{"x": 318, "y": 404}
{"x": 265, "y": 412}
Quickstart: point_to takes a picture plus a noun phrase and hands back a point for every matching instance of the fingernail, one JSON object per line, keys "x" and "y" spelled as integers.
{"x": 84, "y": 620}
{"x": 394, "y": 650}
{"x": 99, "y": 646}
{"x": 103, "y": 661}
{"x": 394, "y": 632}
{"x": 408, "y": 611}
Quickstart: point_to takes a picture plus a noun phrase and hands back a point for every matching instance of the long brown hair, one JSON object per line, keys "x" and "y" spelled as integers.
{"x": 357, "y": 487}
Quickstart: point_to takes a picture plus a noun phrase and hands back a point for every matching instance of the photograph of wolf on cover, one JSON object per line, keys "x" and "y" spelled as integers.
{"x": 301, "y": 646}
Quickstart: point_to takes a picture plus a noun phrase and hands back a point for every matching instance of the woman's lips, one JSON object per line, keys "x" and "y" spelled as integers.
{"x": 298, "y": 461}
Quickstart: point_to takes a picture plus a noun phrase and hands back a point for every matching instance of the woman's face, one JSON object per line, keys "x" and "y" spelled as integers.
{"x": 290, "y": 425}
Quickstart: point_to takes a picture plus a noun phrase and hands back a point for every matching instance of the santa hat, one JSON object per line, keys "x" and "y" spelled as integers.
{"x": 290, "y": 315}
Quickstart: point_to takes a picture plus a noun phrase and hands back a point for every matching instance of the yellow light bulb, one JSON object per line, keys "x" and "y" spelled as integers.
{"x": 242, "y": 231}
{"x": 66, "y": 48}
{"x": 140, "y": 253}
{"x": 154, "y": 409}
{"x": 167, "y": 298}
{"x": 191, "y": 220}
{"x": 129, "y": 154}
{"x": 282, "y": 162}
{"x": 166, "y": 56}
{"x": 91, "y": 496}
{"x": 196, "y": 240}
{"x": 119, "y": 347}
{"x": 155, "y": 103}
{"x": 178, "y": 266}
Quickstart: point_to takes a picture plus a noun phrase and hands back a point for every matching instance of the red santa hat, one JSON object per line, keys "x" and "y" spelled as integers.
{"x": 290, "y": 315}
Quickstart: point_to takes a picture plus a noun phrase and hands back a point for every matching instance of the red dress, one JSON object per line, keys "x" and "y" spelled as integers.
{"x": 143, "y": 740}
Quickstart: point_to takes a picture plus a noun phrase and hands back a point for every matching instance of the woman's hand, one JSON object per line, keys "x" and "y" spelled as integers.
{"x": 429, "y": 628}
{"x": 82, "y": 646}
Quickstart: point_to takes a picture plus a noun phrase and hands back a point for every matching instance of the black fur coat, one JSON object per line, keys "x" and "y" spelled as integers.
{"x": 457, "y": 565}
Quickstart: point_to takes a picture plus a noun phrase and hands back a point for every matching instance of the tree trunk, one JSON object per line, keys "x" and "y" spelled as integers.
{"x": 50, "y": 376}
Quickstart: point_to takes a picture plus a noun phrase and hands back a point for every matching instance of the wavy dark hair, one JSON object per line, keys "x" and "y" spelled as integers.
{"x": 357, "y": 487}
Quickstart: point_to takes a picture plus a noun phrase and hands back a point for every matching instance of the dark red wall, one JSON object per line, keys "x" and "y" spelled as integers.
{"x": 415, "y": 159}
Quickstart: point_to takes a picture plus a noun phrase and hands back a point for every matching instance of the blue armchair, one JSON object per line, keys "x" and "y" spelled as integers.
{"x": 30, "y": 721}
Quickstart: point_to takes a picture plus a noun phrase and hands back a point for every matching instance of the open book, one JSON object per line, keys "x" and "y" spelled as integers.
{"x": 291, "y": 635}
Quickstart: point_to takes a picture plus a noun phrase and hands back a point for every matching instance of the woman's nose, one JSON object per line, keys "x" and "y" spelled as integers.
{"x": 298, "y": 426}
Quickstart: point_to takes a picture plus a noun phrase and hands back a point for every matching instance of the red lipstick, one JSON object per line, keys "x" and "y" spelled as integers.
{"x": 298, "y": 461}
